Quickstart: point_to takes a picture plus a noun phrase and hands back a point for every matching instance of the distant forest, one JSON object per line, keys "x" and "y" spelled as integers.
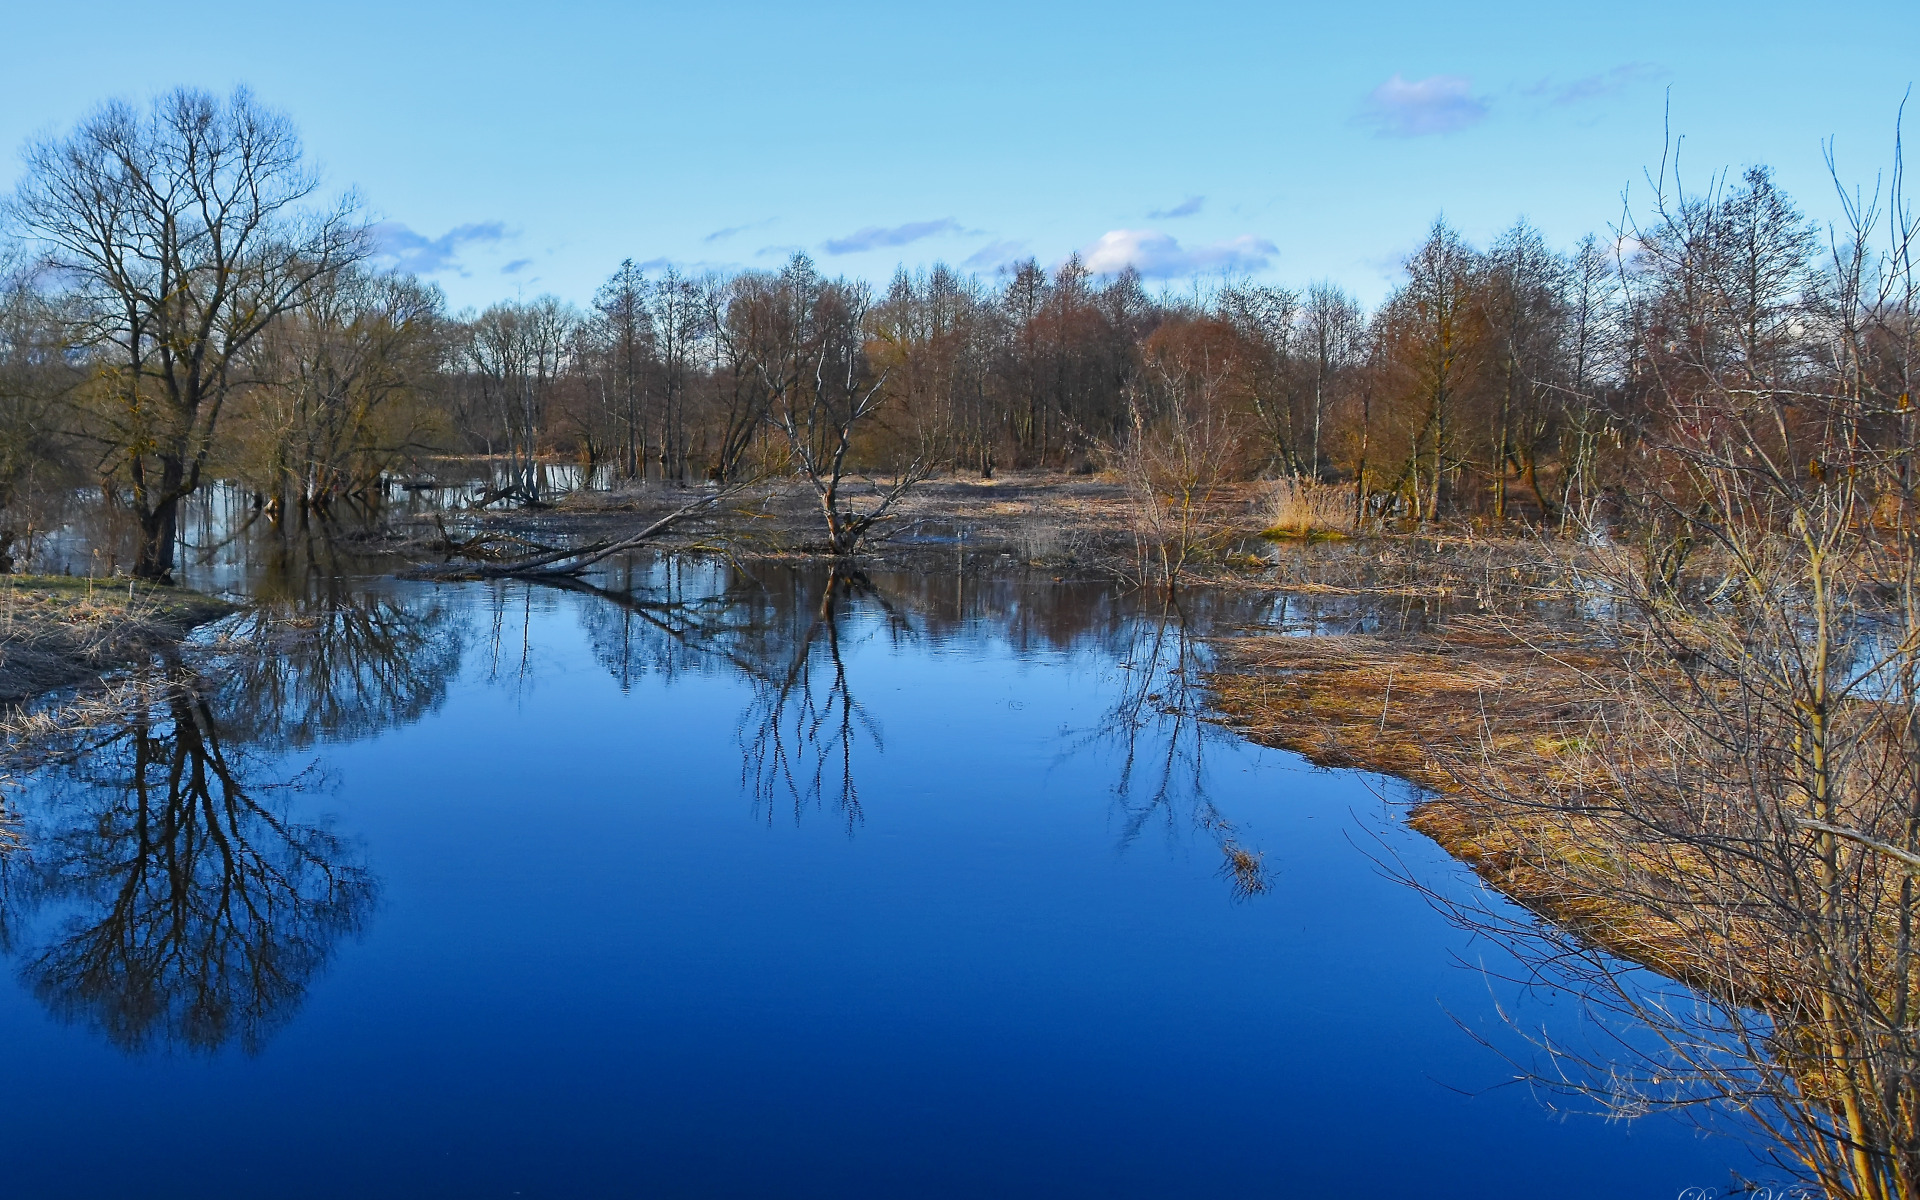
{"x": 146, "y": 342}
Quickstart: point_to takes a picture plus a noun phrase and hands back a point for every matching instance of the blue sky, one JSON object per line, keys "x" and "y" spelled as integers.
{"x": 519, "y": 149}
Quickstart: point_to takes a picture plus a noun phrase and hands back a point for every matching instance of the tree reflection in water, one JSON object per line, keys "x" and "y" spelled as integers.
{"x": 797, "y": 737}
{"x": 194, "y": 912}
{"x": 785, "y": 636}
{"x": 1165, "y": 778}
{"x": 342, "y": 668}
{"x": 166, "y": 895}
{"x": 800, "y": 736}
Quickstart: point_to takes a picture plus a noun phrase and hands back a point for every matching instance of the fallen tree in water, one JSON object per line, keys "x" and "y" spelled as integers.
{"x": 550, "y": 563}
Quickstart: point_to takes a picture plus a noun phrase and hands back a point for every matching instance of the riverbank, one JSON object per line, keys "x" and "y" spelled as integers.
{"x": 58, "y": 631}
{"x": 1517, "y": 738}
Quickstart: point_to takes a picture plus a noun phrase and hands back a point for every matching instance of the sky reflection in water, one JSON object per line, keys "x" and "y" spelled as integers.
{"x": 689, "y": 884}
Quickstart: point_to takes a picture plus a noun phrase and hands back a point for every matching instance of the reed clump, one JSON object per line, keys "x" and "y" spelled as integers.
{"x": 1303, "y": 509}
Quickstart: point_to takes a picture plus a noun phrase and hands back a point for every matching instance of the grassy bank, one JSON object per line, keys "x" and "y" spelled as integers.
{"x": 56, "y": 631}
{"x": 1484, "y": 720}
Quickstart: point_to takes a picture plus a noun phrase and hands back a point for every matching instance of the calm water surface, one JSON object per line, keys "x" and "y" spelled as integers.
{"x": 694, "y": 883}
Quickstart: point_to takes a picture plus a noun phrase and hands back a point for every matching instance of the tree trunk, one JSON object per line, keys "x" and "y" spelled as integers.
{"x": 158, "y": 528}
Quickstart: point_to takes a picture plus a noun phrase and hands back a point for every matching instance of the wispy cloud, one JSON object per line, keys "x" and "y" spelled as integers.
{"x": 1419, "y": 107}
{"x": 873, "y": 237}
{"x": 994, "y": 255}
{"x": 1158, "y": 255}
{"x": 516, "y": 266}
{"x": 1595, "y": 87}
{"x": 1185, "y": 208}
{"x": 720, "y": 235}
{"x": 422, "y": 255}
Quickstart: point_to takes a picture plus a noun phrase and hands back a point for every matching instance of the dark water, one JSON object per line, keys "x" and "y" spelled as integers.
{"x": 694, "y": 883}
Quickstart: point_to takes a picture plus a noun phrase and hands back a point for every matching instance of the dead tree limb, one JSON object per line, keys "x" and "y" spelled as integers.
{"x": 567, "y": 562}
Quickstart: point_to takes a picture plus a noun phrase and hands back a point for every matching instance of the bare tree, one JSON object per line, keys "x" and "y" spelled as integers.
{"x": 1182, "y": 447}
{"x": 1432, "y": 337}
{"x": 36, "y": 377}
{"x": 822, "y": 392}
{"x": 341, "y": 387}
{"x": 516, "y": 354}
{"x": 180, "y": 234}
{"x": 1331, "y": 325}
{"x": 1736, "y": 799}
{"x": 677, "y": 313}
{"x": 1525, "y": 298}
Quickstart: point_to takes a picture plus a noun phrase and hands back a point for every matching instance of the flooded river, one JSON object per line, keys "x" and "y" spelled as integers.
{"x": 697, "y": 881}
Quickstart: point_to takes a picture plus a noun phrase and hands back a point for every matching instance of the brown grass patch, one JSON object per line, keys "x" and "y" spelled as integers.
{"x": 57, "y": 631}
{"x": 1476, "y": 717}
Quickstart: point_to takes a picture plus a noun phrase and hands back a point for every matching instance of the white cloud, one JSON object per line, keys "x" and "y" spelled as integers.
{"x": 1157, "y": 255}
{"x": 1595, "y": 87}
{"x": 719, "y": 235}
{"x": 1418, "y": 107}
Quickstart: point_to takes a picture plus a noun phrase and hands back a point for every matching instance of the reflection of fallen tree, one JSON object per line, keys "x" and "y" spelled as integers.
{"x": 195, "y": 913}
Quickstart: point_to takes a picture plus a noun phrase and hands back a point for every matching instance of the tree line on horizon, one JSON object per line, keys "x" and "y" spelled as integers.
{"x": 179, "y": 309}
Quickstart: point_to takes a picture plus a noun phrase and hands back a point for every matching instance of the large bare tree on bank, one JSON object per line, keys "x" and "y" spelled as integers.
{"x": 181, "y": 233}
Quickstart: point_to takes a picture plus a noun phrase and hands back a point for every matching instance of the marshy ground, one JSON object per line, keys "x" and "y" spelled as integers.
{"x": 58, "y": 631}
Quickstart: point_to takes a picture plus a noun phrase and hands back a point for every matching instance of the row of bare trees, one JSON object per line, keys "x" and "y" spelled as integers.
{"x": 185, "y": 306}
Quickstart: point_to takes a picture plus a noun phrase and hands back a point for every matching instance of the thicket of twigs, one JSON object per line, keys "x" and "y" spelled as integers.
{"x": 1715, "y": 770}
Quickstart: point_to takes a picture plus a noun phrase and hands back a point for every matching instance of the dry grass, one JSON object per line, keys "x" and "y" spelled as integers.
{"x": 57, "y": 631}
{"x": 1475, "y": 717}
{"x": 1302, "y": 508}
{"x": 31, "y": 733}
